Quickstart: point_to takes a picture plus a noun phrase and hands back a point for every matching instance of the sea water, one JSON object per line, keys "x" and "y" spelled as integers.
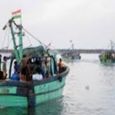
{"x": 89, "y": 90}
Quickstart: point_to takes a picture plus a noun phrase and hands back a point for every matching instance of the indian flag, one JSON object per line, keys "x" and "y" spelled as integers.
{"x": 16, "y": 14}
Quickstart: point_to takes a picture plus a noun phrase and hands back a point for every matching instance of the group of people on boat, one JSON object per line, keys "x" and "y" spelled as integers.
{"x": 33, "y": 68}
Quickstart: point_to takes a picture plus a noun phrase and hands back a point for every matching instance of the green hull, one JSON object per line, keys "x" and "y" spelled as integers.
{"x": 25, "y": 95}
{"x": 104, "y": 60}
{"x": 107, "y": 57}
{"x": 107, "y": 61}
{"x": 50, "y": 91}
{"x": 13, "y": 101}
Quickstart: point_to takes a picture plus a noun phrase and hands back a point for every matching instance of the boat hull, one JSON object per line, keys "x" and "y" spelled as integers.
{"x": 104, "y": 59}
{"x": 14, "y": 93}
{"x": 49, "y": 91}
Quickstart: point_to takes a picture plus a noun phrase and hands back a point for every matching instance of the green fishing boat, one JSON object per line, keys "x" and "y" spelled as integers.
{"x": 108, "y": 56}
{"x": 31, "y": 92}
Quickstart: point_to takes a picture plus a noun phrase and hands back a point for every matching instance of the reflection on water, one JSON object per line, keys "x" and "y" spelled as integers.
{"x": 53, "y": 107}
{"x": 89, "y": 90}
{"x": 14, "y": 111}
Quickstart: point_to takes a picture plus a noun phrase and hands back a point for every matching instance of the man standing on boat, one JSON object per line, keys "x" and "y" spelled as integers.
{"x": 61, "y": 66}
{"x": 0, "y": 61}
{"x": 26, "y": 71}
{"x": 4, "y": 67}
{"x": 15, "y": 75}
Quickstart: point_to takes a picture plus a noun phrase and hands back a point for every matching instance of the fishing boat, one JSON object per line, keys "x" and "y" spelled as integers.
{"x": 71, "y": 54}
{"x": 30, "y": 92}
{"x": 108, "y": 56}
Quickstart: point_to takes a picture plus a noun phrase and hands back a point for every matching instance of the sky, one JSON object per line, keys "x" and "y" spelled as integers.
{"x": 88, "y": 24}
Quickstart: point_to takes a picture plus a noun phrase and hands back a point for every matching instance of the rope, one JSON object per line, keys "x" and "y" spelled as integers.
{"x": 29, "y": 41}
{"x": 9, "y": 41}
{"x": 34, "y": 37}
{"x": 4, "y": 38}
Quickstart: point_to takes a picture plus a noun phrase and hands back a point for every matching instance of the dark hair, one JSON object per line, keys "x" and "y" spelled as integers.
{"x": 4, "y": 58}
{"x": 24, "y": 55}
{"x": 60, "y": 59}
{"x": 15, "y": 62}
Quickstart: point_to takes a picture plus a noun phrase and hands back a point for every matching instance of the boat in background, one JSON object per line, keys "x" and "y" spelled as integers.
{"x": 108, "y": 56}
{"x": 71, "y": 54}
{"x": 28, "y": 92}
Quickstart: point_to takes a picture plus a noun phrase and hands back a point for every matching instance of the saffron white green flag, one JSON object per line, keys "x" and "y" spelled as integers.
{"x": 16, "y": 14}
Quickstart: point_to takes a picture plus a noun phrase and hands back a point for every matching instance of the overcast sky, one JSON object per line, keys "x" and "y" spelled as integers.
{"x": 88, "y": 23}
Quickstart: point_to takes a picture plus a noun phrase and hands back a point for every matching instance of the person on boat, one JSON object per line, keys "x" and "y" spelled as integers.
{"x": 1, "y": 75}
{"x": 38, "y": 75}
{"x": 1, "y": 72}
{"x": 16, "y": 67}
{"x": 38, "y": 63}
{"x": 46, "y": 67}
{"x": 113, "y": 56}
{"x": 23, "y": 69}
{"x": 26, "y": 72}
{"x": 0, "y": 61}
{"x": 15, "y": 75}
{"x": 61, "y": 66}
{"x": 4, "y": 67}
{"x": 41, "y": 67}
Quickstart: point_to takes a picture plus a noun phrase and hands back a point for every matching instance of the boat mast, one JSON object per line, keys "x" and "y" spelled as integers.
{"x": 18, "y": 49}
{"x": 111, "y": 44}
